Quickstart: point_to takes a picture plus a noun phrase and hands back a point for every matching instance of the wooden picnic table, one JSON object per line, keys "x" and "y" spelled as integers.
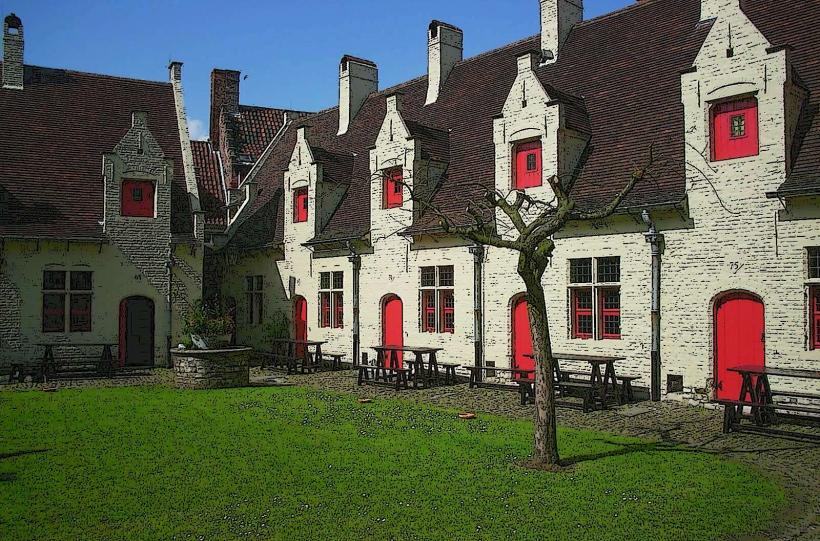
{"x": 299, "y": 350}
{"x": 49, "y": 366}
{"x": 605, "y": 382}
{"x": 756, "y": 393}
{"x": 387, "y": 360}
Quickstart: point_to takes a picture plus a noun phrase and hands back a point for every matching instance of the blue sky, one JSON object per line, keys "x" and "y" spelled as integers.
{"x": 289, "y": 50}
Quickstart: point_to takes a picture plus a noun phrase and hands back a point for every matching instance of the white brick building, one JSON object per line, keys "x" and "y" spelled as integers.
{"x": 724, "y": 91}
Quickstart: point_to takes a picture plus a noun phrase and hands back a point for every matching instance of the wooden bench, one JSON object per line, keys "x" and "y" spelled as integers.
{"x": 20, "y": 371}
{"x": 476, "y": 379}
{"x": 400, "y": 375}
{"x": 587, "y": 391}
{"x": 449, "y": 372}
{"x": 332, "y": 361}
{"x": 733, "y": 409}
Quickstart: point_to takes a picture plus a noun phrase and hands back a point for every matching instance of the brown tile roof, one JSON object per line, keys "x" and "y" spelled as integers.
{"x": 255, "y": 127}
{"x": 796, "y": 23}
{"x": 53, "y": 134}
{"x": 209, "y": 182}
{"x": 618, "y": 74}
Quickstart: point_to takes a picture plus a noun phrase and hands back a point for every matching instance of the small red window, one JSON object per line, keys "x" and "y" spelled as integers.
{"x": 527, "y": 167}
{"x": 339, "y": 309}
{"x": 581, "y": 313}
{"x": 137, "y": 198}
{"x": 393, "y": 196}
{"x": 734, "y": 129}
{"x": 428, "y": 310}
{"x": 300, "y": 205}
{"x": 447, "y": 310}
{"x": 610, "y": 301}
{"x": 814, "y": 301}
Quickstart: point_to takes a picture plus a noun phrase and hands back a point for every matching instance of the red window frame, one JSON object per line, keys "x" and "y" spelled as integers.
{"x": 524, "y": 176}
{"x": 447, "y": 303}
{"x": 324, "y": 307}
{"x": 814, "y": 308}
{"x": 428, "y": 310}
{"x": 725, "y": 145}
{"x": 393, "y": 189}
{"x": 300, "y": 205}
{"x": 339, "y": 308}
{"x": 578, "y": 312}
{"x": 133, "y": 206}
{"x": 610, "y": 312}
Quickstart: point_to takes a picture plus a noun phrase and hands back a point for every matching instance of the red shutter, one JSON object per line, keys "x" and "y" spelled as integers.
{"x": 527, "y": 166}
{"x": 582, "y": 313}
{"x": 338, "y": 305}
{"x": 734, "y": 129}
{"x": 325, "y": 309}
{"x": 428, "y": 310}
{"x": 815, "y": 316}
{"x": 393, "y": 189}
{"x": 300, "y": 205}
{"x": 447, "y": 303}
{"x": 137, "y": 198}
{"x": 610, "y": 310}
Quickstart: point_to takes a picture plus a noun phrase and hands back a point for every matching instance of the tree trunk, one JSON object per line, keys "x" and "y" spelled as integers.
{"x": 546, "y": 439}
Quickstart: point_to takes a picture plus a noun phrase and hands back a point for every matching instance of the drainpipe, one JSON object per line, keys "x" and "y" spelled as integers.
{"x": 655, "y": 241}
{"x": 356, "y": 260}
{"x": 169, "y": 267}
{"x": 478, "y": 260}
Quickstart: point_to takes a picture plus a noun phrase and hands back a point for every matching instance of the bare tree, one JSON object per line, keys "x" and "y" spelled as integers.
{"x": 527, "y": 226}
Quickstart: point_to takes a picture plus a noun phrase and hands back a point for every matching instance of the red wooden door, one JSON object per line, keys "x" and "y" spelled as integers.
{"x": 739, "y": 340}
{"x": 521, "y": 336}
{"x": 300, "y": 323}
{"x": 392, "y": 327}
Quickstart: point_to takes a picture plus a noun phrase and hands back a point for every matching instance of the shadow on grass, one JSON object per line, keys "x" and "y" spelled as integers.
{"x": 15, "y": 454}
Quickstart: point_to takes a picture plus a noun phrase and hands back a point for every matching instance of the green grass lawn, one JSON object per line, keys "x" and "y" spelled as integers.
{"x": 275, "y": 463}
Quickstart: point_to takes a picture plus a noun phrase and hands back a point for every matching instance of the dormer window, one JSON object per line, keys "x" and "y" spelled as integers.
{"x": 734, "y": 129}
{"x": 392, "y": 189}
{"x": 137, "y": 198}
{"x": 527, "y": 165}
{"x": 300, "y": 205}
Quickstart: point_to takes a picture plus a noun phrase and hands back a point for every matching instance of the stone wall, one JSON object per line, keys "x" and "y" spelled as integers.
{"x": 211, "y": 369}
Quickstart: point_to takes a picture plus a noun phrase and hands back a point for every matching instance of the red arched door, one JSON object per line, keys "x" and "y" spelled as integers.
{"x": 521, "y": 336}
{"x": 392, "y": 326}
{"x": 300, "y": 323}
{"x": 739, "y": 340}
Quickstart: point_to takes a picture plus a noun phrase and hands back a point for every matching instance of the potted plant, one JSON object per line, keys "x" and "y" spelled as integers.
{"x": 205, "y": 322}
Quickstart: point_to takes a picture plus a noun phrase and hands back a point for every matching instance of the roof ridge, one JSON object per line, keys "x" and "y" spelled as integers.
{"x": 617, "y": 12}
{"x": 100, "y": 75}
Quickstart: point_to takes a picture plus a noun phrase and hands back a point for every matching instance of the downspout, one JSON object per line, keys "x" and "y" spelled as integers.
{"x": 655, "y": 241}
{"x": 478, "y": 325}
{"x": 169, "y": 267}
{"x": 356, "y": 260}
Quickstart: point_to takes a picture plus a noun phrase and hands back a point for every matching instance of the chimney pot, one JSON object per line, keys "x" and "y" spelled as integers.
{"x": 13, "y": 52}
{"x": 445, "y": 48}
{"x": 175, "y": 70}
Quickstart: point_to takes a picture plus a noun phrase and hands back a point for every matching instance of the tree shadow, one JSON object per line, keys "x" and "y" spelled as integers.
{"x": 15, "y": 454}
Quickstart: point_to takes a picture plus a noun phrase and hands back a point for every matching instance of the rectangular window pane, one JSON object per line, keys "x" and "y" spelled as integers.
{"x": 428, "y": 277}
{"x": 54, "y": 280}
{"x": 80, "y": 315}
{"x": 324, "y": 316}
{"x": 324, "y": 280}
{"x": 428, "y": 311}
{"x": 338, "y": 280}
{"x": 260, "y": 308}
{"x": 338, "y": 310}
{"x": 609, "y": 269}
{"x": 249, "y": 283}
{"x": 260, "y": 282}
{"x": 251, "y": 311}
{"x": 581, "y": 321}
{"x": 814, "y": 262}
{"x": 580, "y": 271}
{"x": 447, "y": 303}
{"x": 814, "y": 317}
{"x": 610, "y": 314}
{"x": 80, "y": 281}
{"x": 53, "y": 312}
{"x": 445, "y": 276}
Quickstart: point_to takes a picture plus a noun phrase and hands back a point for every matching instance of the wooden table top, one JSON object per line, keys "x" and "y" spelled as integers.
{"x": 299, "y": 342}
{"x": 591, "y": 359}
{"x": 409, "y": 349}
{"x": 502, "y": 369}
{"x": 771, "y": 371}
{"x": 76, "y": 344}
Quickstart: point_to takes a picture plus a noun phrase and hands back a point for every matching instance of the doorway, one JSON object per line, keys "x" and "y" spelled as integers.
{"x": 136, "y": 338}
{"x": 739, "y": 327}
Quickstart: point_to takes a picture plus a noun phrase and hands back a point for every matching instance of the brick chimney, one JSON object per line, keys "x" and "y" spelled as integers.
{"x": 557, "y": 19}
{"x": 224, "y": 96}
{"x": 358, "y": 79}
{"x": 445, "y": 48}
{"x": 13, "y": 52}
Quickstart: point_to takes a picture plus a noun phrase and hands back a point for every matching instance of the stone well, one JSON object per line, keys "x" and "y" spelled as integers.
{"x": 211, "y": 368}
